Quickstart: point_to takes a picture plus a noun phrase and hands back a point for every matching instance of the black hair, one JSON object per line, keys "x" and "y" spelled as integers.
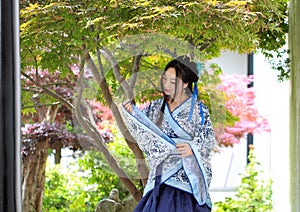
{"x": 186, "y": 70}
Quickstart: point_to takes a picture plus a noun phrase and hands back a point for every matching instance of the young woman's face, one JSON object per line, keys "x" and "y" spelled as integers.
{"x": 169, "y": 83}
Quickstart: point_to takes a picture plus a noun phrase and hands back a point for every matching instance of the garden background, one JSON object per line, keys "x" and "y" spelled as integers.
{"x": 74, "y": 36}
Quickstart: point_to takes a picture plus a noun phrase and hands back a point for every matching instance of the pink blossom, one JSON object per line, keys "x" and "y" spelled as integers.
{"x": 240, "y": 102}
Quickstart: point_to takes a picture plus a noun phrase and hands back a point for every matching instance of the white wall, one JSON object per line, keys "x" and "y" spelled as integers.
{"x": 230, "y": 162}
{"x": 271, "y": 149}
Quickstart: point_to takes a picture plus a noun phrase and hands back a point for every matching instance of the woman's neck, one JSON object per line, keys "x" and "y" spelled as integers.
{"x": 178, "y": 100}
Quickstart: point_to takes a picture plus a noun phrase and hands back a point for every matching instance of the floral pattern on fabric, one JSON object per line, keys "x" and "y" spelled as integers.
{"x": 203, "y": 135}
{"x": 191, "y": 174}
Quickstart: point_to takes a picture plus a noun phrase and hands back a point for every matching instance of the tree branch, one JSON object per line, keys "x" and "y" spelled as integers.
{"x": 49, "y": 92}
{"x": 110, "y": 58}
{"x": 136, "y": 69}
{"x": 140, "y": 159}
{"x": 41, "y": 105}
{"x": 98, "y": 141}
{"x": 60, "y": 83}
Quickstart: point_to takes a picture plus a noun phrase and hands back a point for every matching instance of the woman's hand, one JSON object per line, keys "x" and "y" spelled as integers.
{"x": 127, "y": 104}
{"x": 184, "y": 149}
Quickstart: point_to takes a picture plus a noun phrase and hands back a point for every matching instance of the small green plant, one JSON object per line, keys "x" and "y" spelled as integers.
{"x": 254, "y": 193}
{"x": 55, "y": 190}
{"x": 80, "y": 185}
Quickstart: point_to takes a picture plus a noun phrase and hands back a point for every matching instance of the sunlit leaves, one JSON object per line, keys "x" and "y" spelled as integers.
{"x": 241, "y": 26}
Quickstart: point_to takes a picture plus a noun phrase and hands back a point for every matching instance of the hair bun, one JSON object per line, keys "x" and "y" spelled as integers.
{"x": 190, "y": 67}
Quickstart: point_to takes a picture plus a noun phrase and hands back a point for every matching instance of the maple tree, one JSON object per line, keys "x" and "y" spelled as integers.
{"x": 49, "y": 127}
{"x": 240, "y": 102}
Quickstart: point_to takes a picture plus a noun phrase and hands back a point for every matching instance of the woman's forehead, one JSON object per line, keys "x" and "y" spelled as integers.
{"x": 170, "y": 73}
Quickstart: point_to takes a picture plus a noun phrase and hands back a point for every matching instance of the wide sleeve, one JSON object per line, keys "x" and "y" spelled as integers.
{"x": 151, "y": 140}
{"x": 198, "y": 166}
{"x": 204, "y": 140}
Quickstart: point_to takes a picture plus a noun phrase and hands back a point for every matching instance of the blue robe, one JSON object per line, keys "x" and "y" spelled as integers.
{"x": 189, "y": 176}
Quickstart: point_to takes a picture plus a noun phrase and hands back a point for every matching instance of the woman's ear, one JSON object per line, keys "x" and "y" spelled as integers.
{"x": 185, "y": 85}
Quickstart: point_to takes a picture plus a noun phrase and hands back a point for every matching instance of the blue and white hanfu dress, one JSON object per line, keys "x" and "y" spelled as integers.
{"x": 174, "y": 183}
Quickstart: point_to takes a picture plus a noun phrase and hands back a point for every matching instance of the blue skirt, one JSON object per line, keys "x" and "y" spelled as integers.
{"x": 164, "y": 198}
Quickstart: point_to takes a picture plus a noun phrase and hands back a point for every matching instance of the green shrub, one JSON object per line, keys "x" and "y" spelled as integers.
{"x": 254, "y": 193}
{"x": 81, "y": 185}
{"x": 63, "y": 188}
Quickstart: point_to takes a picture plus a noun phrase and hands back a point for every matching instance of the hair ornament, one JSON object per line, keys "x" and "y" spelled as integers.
{"x": 199, "y": 67}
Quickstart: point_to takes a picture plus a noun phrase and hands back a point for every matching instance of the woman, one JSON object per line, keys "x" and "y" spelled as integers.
{"x": 176, "y": 134}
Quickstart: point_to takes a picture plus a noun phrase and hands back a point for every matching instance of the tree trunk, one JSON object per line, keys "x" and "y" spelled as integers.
{"x": 33, "y": 168}
{"x": 98, "y": 144}
{"x": 132, "y": 144}
{"x": 294, "y": 46}
{"x": 57, "y": 155}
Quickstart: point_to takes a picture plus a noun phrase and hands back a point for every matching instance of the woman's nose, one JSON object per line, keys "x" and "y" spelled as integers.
{"x": 167, "y": 84}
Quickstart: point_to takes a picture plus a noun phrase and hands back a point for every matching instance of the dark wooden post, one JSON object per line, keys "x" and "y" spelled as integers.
{"x": 250, "y": 71}
{"x": 10, "y": 162}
